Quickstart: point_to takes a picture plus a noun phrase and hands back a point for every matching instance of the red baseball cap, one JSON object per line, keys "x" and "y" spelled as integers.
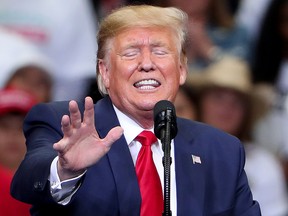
{"x": 15, "y": 100}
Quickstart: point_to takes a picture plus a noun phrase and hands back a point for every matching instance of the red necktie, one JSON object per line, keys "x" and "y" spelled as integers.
{"x": 148, "y": 178}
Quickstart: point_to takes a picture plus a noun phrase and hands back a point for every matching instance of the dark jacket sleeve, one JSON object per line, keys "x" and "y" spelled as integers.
{"x": 42, "y": 128}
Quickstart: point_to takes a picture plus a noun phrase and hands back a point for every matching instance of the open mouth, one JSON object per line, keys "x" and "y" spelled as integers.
{"x": 147, "y": 84}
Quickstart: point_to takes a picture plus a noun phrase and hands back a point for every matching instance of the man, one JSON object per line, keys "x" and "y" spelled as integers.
{"x": 14, "y": 105}
{"x": 73, "y": 169}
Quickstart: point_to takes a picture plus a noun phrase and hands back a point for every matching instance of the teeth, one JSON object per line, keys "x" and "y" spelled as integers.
{"x": 146, "y": 87}
{"x": 147, "y": 84}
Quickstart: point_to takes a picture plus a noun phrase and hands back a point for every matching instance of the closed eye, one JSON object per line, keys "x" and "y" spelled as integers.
{"x": 159, "y": 51}
{"x": 130, "y": 54}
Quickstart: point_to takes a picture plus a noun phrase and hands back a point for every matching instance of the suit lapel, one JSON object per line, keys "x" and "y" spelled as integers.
{"x": 190, "y": 177}
{"x": 120, "y": 160}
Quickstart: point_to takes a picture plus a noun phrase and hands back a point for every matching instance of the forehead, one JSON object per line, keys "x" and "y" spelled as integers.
{"x": 145, "y": 35}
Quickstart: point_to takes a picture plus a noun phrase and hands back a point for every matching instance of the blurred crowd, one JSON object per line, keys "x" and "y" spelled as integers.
{"x": 238, "y": 77}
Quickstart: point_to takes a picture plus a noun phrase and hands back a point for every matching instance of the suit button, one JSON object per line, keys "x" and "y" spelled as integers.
{"x": 38, "y": 185}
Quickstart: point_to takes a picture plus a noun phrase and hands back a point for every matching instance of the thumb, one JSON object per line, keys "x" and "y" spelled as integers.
{"x": 113, "y": 135}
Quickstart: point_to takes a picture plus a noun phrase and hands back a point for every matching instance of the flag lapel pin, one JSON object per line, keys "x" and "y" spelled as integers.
{"x": 196, "y": 159}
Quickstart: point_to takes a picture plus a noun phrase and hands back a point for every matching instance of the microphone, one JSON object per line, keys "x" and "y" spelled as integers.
{"x": 165, "y": 120}
{"x": 165, "y": 129}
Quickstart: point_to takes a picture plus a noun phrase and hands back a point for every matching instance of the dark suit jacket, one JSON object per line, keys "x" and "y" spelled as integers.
{"x": 217, "y": 186}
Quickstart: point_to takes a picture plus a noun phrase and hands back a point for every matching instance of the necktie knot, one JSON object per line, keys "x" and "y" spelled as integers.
{"x": 146, "y": 138}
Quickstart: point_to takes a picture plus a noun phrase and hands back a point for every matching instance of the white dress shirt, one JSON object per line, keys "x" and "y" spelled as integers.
{"x": 63, "y": 191}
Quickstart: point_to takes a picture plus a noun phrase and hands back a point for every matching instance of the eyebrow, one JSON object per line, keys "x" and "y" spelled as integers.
{"x": 137, "y": 44}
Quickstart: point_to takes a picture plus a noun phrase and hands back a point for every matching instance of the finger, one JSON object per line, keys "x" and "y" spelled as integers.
{"x": 75, "y": 115}
{"x": 88, "y": 118}
{"x": 60, "y": 146}
{"x": 113, "y": 135}
{"x": 66, "y": 126}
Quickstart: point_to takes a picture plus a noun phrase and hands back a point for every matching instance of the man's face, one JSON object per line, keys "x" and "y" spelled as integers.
{"x": 144, "y": 68}
{"x": 12, "y": 140}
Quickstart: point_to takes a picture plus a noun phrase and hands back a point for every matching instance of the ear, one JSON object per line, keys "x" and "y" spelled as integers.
{"x": 104, "y": 72}
{"x": 183, "y": 74}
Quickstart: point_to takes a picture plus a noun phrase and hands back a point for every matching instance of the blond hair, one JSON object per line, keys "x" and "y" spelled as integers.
{"x": 140, "y": 16}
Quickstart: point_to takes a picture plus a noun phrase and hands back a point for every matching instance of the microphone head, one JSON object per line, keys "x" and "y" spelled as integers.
{"x": 164, "y": 112}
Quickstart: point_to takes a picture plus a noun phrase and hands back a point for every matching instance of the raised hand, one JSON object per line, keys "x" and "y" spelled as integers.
{"x": 81, "y": 146}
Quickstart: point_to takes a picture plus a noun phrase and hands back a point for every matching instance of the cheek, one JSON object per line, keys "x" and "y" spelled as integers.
{"x": 172, "y": 66}
{"x": 239, "y": 114}
{"x": 121, "y": 70}
{"x": 208, "y": 110}
{"x": 129, "y": 67}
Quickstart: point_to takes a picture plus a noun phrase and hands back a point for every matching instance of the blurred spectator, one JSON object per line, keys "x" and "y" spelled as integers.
{"x": 226, "y": 102}
{"x": 14, "y": 105}
{"x": 33, "y": 79}
{"x": 234, "y": 5}
{"x": 23, "y": 66}
{"x": 186, "y": 102}
{"x": 270, "y": 69}
{"x": 270, "y": 63}
{"x": 65, "y": 32}
{"x": 250, "y": 15}
{"x": 212, "y": 31}
{"x": 24, "y": 72}
{"x": 103, "y": 7}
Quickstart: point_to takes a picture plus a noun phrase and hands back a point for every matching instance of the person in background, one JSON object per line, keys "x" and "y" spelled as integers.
{"x": 86, "y": 159}
{"x": 186, "y": 102}
{"x": 273, "y": 38}
{"x": 226, "y": 102}
{"x": 270, "y": 72}
{"x": 64, "y": 32}
{"x": 24, "y": 67}
{"x": 212, "y": 32}
{"x": 14, "y": 105}
{"x": 249, "y": 14}
{"x": 104, "y": 7}
{"x": 34, "y": 80}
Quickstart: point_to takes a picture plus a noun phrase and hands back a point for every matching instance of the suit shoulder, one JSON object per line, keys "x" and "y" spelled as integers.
{"x": 201, "y": 131}
{"x": 59, "y": 107}
{"x": 48, "y": 112}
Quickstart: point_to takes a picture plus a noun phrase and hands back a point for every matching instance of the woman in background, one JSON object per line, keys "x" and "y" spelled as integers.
{"x": 225, "y": 102}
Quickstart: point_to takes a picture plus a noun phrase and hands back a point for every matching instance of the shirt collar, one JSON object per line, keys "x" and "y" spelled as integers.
{"x": 130, "y": 127}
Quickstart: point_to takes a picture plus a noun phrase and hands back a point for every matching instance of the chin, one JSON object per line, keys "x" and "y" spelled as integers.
{"x": 147, "y": 104}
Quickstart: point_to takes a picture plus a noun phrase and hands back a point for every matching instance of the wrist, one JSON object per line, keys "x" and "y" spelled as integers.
{"x": 65, "y": 173}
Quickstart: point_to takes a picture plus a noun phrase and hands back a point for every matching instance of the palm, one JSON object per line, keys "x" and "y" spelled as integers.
{"x": 81, "y": 146}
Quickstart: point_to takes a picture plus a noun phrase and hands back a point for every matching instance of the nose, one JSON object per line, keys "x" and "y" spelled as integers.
{"x": 146, "y": 62}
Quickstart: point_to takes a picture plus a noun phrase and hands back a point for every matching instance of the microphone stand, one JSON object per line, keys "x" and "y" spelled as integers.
{"x": 166, "y": 160}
